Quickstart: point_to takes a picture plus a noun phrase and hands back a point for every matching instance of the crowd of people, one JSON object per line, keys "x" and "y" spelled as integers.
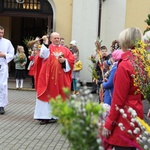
{"x": 53, "y": 66}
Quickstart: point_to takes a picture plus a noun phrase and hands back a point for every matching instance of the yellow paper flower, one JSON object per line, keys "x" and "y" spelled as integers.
{"x": 39, "y": 46}
{"x": 147, "y": 127}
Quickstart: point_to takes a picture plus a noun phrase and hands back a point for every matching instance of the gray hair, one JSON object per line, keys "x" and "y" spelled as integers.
{"x": 128, "y": 37}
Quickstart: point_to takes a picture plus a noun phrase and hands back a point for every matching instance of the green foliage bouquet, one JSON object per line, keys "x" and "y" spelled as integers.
{"x": 79, "y": 116}
{"x": 92, "y": 68}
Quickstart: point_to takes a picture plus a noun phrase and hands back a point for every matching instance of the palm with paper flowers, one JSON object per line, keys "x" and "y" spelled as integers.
{"x": 141, "y": 63}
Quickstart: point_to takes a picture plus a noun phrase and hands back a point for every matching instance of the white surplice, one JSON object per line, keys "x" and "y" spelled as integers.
{"x": 7, "y": 48}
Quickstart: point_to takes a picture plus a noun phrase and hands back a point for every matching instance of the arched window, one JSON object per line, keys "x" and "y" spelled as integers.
{"x": 25, "y": 5}
{"x": 41, "y": 6}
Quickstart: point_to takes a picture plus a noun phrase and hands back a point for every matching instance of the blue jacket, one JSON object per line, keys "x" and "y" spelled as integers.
{"x": 109, "y": 85}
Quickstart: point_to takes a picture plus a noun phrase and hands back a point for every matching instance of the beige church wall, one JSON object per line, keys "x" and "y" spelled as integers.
{"x": 136, "y": 13}
{"x": 85, "y": 31}
{"x": 64, "y": 19}
{"x": 112, "y": 20}
{"x": 6, "y": 23}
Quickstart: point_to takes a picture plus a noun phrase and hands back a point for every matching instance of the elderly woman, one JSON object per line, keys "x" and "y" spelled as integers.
{"x": 124, "y": 95}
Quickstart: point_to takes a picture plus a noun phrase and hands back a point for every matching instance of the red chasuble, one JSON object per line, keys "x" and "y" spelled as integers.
{"x": 50, "y": 77}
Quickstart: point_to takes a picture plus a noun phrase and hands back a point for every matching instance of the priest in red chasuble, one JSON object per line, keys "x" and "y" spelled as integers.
{"x": 53, "y": 69}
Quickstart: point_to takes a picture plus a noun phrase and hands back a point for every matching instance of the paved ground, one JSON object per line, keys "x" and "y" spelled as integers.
{"x": 26, "y": 85}
{"x": 18, "y": 129}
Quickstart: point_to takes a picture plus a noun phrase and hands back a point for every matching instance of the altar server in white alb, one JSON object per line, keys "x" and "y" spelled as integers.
{"x": 6, "y": 55}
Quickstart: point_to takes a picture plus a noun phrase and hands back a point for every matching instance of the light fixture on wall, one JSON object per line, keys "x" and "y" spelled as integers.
{"x": 20, "y": 1}
{"x": 30, "y": 6}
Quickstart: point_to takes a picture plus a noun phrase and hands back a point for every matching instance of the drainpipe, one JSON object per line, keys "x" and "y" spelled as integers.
{"x": 99, "y": 18}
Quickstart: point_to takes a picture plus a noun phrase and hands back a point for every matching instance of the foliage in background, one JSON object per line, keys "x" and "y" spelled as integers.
{"x": 94, "y": 73}
{"x": 26, "y": 40}
{"x": 93, "y": 58}
{"x": 79, "y": 118}
{"x": 148, "y": 23}
{"x": 141, "y": 64}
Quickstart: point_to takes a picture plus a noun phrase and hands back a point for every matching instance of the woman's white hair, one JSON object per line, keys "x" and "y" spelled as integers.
{"x": 128, "y": 37}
